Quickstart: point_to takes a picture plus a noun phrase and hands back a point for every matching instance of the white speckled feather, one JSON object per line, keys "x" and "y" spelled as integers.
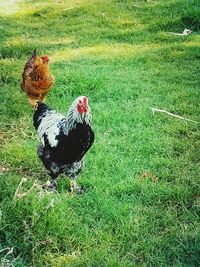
{"x": 50, "y": 126}
{"x": 52, "y": 123}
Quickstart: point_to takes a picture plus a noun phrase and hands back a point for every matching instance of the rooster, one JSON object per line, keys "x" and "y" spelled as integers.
{"x": 36, "y": 78}
{"x": 64, "y": 140}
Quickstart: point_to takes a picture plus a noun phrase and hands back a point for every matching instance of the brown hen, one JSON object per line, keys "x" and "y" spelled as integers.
{"x": 37, "y": 79}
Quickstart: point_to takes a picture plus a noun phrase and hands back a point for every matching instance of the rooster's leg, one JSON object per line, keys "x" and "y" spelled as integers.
{"x": 74, "y": 188}
{"x": 52, "y": 185}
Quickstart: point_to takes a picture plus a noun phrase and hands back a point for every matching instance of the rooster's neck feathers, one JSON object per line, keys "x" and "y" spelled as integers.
{"x": 51, "y": 125}
{"x": 74, "y": 117}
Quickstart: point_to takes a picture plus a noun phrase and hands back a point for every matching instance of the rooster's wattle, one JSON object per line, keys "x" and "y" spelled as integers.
{"x": 64, "y": 140}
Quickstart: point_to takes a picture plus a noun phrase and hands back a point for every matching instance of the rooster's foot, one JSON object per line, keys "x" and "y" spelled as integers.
{"x": 74, "y": 188}
{"x": 51, "y": 186}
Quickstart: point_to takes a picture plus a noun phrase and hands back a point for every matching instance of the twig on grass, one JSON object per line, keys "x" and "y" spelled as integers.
{"x": 24, "y": 194}
{"x": 19, "y": 194}
{"x": 10, "y": 251}
{"x": 184, "y": 33}
{"x": 135, "y": 5}
{"x": 171, "y": 114}
{"x": 23, "y": 180}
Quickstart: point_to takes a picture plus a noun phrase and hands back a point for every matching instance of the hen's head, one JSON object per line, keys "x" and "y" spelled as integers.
{"x": 40, "y": 60}
{"x": 79, "y": 111}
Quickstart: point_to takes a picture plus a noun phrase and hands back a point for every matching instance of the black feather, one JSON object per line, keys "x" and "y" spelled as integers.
{"x": 66, "y": 157}
{"x": 39, "y": 114}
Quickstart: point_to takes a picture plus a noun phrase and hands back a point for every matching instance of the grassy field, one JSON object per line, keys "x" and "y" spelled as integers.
{"x": 142, "y": 199}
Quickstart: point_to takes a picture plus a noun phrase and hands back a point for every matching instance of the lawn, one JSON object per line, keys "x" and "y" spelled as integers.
{"x": 142, "y": 199}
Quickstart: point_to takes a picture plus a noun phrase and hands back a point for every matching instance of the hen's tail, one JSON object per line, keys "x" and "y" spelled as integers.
{"x": 34, "y": 102}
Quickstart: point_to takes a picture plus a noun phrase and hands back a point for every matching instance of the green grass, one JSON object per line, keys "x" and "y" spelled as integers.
{"x": 141, "y": 206}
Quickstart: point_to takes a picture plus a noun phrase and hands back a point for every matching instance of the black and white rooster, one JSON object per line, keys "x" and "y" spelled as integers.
{"x": 64, "y": 140}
